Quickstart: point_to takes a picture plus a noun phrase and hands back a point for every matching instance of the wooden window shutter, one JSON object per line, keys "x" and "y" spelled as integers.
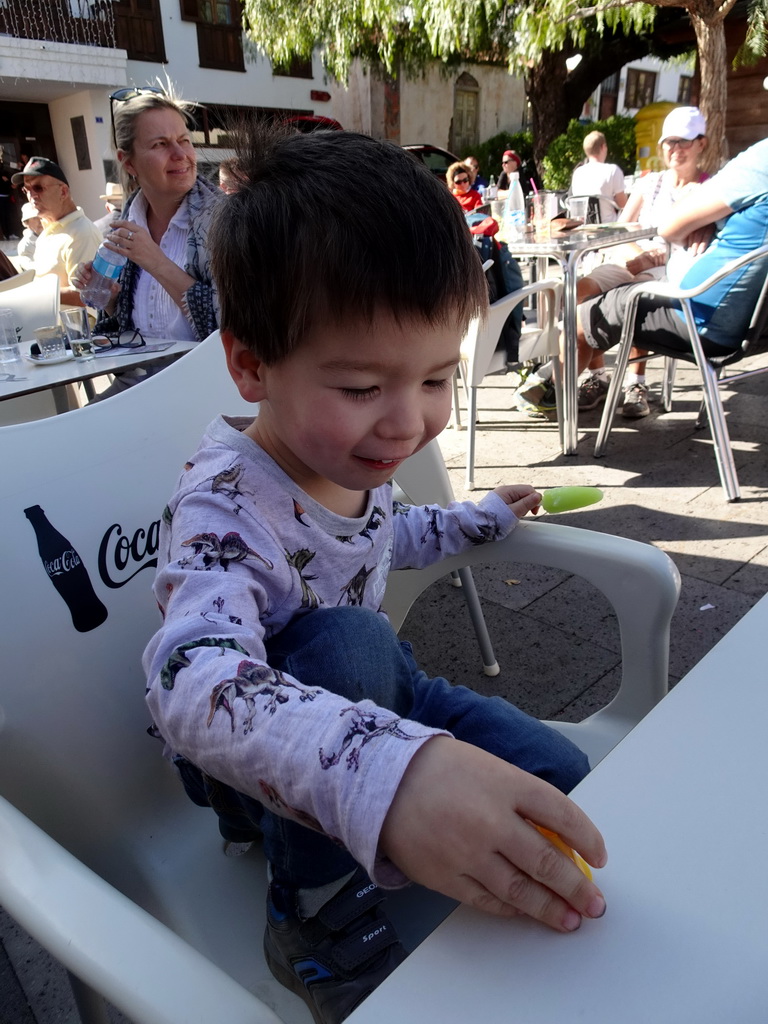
{"x": 190, "y": 10}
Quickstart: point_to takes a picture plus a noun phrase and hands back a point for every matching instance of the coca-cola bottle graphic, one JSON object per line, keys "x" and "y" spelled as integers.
{"x": 67, "y": 572}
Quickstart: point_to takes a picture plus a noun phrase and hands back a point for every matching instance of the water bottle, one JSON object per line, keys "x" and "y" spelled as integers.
{"x": 66, "y": 572}
{"x": 514, "y": 215}
{"x": 105, "y": 271}
{"x": 492, "y": 191}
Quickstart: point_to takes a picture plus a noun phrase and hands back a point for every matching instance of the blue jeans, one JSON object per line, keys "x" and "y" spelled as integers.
{"x": 355, "y": 653}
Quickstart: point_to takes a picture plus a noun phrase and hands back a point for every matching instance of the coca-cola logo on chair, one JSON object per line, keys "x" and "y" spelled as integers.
{"x": 122, "y": 555}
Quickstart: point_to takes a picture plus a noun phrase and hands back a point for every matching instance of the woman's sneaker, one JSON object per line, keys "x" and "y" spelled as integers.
{"x": 635, "y": 402}
{"x": 593, "y": 391}
{"x": 336, "y": 958}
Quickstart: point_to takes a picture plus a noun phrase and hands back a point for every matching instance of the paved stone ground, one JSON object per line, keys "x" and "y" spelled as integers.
{"x": 556, "y": 639}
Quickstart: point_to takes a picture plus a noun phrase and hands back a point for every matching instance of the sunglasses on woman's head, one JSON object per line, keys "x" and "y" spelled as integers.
{"x": 461, "y": 181}
{"x": 130, "y": 93}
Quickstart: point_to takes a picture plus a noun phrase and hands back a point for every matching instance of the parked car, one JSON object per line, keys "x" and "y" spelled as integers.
{"x": 436, "y": 159}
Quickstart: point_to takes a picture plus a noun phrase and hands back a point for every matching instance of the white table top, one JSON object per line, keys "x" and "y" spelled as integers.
{"x": 683, "y": 805}
{"x": 26, "y": 377}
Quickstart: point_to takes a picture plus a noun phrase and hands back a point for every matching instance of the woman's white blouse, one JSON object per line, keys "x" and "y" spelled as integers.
{"x": 155, "y": 313}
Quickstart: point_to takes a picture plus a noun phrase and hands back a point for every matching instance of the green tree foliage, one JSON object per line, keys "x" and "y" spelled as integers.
{"x": 521, "y": 34}
{"x": 566, "y": 151}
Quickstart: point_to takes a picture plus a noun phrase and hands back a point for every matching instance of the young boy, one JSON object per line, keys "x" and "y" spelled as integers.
{"x": 282, "y": 691}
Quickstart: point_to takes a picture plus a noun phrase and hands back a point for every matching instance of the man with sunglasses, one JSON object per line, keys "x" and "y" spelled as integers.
{"x": 68, "y": 237}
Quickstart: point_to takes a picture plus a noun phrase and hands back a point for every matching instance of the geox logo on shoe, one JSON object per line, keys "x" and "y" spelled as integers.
{"x": 366, "y": 890}
{"x": 311, "y": 970}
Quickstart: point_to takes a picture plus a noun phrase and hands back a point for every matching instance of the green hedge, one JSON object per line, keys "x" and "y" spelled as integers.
{"x": 489, "y": 152}
{"x": 566, "y": 151}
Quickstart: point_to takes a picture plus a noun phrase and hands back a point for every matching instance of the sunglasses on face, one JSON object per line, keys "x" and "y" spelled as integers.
{"x": 35, "y": 190}
{"x": 678, "y": 143}
{"x": 461, "y": 181}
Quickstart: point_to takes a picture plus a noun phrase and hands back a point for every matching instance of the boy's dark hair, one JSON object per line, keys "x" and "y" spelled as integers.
{"x": 335, "y": 225}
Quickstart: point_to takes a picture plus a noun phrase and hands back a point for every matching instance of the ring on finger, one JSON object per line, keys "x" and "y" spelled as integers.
{"x": 130, "y": 236}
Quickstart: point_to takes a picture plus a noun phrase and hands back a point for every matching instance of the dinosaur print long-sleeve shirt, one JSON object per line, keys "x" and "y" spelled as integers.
{"x": 243, "y": 552}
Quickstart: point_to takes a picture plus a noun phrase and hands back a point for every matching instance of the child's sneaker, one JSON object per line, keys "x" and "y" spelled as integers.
{"x": 335, "y": 959}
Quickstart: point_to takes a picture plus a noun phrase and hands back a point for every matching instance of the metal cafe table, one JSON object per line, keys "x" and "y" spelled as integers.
{"x": 568, "y": 248}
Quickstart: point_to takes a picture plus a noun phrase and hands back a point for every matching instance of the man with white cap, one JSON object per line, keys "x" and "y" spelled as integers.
{"x": 68, "y": 237}
{"x": 32, "y": 225}
{"x": 113, "y": 200}
{"x": 731, "y": 209}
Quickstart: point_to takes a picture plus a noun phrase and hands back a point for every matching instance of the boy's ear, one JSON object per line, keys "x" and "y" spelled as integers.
{"x": 244, "y": 367}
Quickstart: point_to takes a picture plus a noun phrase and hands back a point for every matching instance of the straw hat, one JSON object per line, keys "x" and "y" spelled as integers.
{"x": 114, "y": 194}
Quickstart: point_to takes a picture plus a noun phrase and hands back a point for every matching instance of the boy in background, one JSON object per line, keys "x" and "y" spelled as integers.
{"x": 278, "y": 684}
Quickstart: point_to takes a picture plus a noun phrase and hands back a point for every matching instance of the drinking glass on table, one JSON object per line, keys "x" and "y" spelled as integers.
{"x": 9, "y": 347}
{"x": 51, "y": 342}
{"x": 578, "y": 208}
{"x": 542, "y": 210}
{"x": 78, "y": 328}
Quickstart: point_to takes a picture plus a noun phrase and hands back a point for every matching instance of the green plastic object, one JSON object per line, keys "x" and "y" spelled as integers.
{"x": 566, "y": 499}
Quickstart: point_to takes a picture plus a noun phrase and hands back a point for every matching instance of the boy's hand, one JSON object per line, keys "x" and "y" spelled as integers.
{"x": 458, "y": 824}
{"x": 521, "y": 498}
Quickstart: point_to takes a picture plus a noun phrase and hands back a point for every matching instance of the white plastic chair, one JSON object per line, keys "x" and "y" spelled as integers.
{"x": 103, "y": 859}
{"x": 754, "y": 342}
{"x": 35, "y": 304}
{"x": 480, "y": 355}
{"x": 18, "y": 280}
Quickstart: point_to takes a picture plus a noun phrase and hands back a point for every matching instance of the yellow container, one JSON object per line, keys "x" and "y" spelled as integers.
{"x": 648, "y": 124}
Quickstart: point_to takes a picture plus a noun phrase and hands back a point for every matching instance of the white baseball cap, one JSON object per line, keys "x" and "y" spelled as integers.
{"x": 683, "y": 123}
{"x": 28, "y": 211}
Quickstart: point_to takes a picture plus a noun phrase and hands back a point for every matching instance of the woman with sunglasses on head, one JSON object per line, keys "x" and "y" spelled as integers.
{"x": 165, "y": 289}
{"x": 459, "y": 180}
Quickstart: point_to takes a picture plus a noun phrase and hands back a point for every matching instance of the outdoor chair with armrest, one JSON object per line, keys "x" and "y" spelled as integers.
{"x": 755, "y": 341}
{"x": 103, "y": 859}
{"x": 18, "y": 280}
{"x": 594, "y": 209}
{"x": 481, "y": 354}
{"x": 35, "y": 303}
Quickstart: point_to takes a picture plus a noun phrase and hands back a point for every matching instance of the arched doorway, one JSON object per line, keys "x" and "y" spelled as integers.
{"x": 466, "y": 107}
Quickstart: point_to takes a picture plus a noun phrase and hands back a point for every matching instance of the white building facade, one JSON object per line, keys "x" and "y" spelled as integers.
{"x": 61, "y": 59}
{"x": 455, "y": 109}
{"x": 640, "y": 83}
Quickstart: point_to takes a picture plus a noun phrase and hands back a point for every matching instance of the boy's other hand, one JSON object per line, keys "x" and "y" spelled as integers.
{"x": 460, "y": 824}
{"x": 521, "y": 498}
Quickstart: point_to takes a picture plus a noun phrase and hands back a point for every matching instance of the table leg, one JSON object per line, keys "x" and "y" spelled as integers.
{"x": 64, "y": 398}
{"x": 569, "y": 419}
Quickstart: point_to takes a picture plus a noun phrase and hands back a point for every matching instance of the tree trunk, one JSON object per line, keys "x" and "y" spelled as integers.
{"x": 546, "y": 91}
{"x": 713, "y": 98}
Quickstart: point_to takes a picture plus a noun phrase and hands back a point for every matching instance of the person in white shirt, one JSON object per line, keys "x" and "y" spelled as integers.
{"x": 68, "y": 237}
{"x": 595, "y": 177}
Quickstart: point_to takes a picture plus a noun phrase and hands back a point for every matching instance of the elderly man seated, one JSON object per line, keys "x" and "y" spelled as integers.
{"x": 736, "y": 199}
{"x": 68, "y": 237}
